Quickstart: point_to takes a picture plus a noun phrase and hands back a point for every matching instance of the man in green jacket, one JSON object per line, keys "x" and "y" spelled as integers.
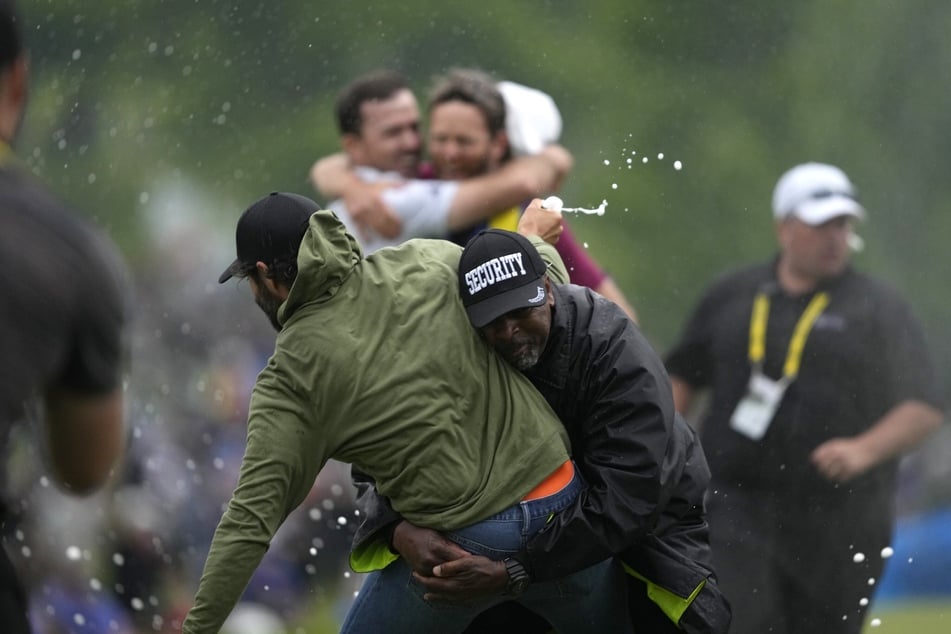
{"x": 375, "y": 364}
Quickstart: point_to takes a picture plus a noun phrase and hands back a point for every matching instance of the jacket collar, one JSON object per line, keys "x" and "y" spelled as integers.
{"x": 327, "y": 256}
{"x": 554, "y": 364}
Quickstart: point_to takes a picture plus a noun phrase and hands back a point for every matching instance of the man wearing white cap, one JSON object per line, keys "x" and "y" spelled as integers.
{"x": 819, "y": 380}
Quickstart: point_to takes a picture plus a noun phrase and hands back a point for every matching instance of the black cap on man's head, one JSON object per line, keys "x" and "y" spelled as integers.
{"x": 270, "y": 229}
{"x": 500, "y": 271}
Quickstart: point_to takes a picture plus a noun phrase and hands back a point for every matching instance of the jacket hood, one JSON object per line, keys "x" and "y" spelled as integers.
{"x": 327, "y": 256}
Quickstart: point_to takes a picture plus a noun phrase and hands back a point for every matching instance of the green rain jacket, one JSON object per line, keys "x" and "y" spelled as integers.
{"x": 376, "y": 365}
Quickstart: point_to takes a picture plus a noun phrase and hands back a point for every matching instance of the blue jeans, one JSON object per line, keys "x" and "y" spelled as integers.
{"x": 590, "y": 600}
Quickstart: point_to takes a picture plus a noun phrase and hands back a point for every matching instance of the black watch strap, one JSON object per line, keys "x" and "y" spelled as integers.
{"x": 518, "y": 577}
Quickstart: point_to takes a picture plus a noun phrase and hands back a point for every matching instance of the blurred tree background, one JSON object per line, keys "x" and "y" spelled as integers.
{"x": 233, "y": 98}
{"x": 163, "y": 119}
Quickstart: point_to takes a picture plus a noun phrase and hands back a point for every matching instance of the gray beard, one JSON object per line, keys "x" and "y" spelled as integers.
{"x": 528, "y": 360}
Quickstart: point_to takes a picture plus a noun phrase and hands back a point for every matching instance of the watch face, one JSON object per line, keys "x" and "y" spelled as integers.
{"x": 519, "y": 586}
{"x": 518, "y": 578}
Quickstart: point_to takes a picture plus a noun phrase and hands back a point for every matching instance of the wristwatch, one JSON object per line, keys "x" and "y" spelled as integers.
{"x": 518, "y": 577}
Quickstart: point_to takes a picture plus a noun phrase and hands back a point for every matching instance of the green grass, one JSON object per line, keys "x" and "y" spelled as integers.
{"x": 925, "y": 617}
{"x": 920, "y": 617}
{"x": 318, "y": 622}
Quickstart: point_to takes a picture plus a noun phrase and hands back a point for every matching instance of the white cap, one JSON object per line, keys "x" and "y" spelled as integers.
{"x": 815, "y": 193}
{"x": 532, "y": 119}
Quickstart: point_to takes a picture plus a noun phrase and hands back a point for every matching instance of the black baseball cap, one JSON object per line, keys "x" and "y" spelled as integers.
{"x": 270, "y": 229}
{"x": 500, "y": 271}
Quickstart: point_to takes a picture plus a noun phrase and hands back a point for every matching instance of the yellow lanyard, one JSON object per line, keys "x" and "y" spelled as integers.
{"x": 4, "y": 151}
{"x": 800, "y": 333}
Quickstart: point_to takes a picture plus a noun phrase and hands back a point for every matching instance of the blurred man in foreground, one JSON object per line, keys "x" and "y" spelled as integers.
{"x": 61, "y": 318}
{"x": 820, "y": 380}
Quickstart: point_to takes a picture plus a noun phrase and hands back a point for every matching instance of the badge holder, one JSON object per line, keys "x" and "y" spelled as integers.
{"x": 755, "y": 411}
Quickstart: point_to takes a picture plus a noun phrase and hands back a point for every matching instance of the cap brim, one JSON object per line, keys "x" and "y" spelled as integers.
{"x": 230, "y": 272}
{"x": 525, "y": 296}
{"x": 816, "y": 212}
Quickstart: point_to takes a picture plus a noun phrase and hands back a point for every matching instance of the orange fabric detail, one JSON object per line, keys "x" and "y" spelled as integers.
{"x": 554, "y": 483}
